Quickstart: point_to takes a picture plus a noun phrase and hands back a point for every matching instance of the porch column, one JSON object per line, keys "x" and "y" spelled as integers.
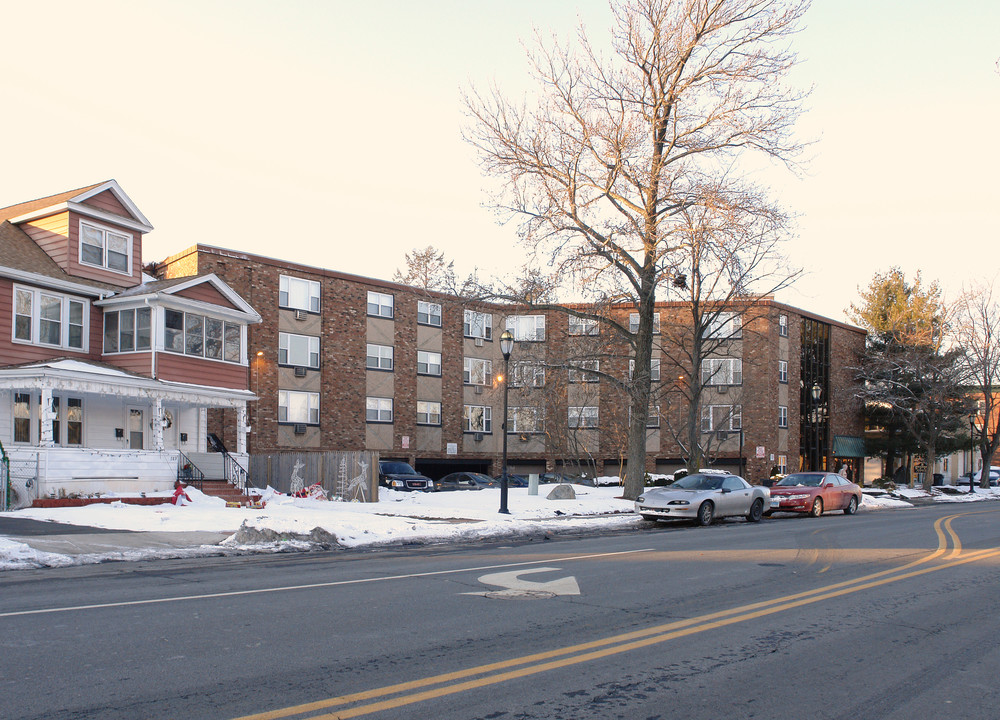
{"x": 46, "y": 414}
{"x": 241, "y": 428}
{"x": 201, "y": 442}
{"x": 158, "y": 424}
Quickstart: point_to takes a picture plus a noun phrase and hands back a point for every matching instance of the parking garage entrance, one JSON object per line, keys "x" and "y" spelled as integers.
{"x": 437, "y": 469}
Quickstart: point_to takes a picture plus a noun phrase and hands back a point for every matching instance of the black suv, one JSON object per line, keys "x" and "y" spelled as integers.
{"x": 400, "y": 476}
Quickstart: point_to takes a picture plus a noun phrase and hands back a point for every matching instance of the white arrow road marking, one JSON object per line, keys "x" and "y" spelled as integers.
{"x": 515, "y": 587}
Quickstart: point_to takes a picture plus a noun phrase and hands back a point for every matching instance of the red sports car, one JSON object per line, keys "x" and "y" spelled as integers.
{"x": 815, "y": 493}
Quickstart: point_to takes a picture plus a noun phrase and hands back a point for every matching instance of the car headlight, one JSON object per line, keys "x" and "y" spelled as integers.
{"x": 798, "y": 496}
{"x": 641, "y": 499}
{"x": 678, "y": 502}
{"x": 397, "y": 483}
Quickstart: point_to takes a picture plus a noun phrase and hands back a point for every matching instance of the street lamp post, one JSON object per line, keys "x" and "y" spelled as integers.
{"x": 506, "y": 346}
{"x": 972, "y": 452}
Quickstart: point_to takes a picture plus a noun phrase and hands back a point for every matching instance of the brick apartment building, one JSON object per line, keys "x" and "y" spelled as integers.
{"x": 342, "y": 362}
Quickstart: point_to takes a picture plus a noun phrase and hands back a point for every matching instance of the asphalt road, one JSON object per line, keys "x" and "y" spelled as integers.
{"x": 879, "y": 615}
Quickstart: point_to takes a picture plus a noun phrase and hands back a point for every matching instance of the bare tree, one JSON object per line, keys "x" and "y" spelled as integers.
{"x": 603, "y": 169}
{"x": 977, "y": 330}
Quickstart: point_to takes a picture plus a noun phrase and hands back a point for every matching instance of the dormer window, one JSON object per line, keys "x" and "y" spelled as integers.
{"x": 105, "y": 248}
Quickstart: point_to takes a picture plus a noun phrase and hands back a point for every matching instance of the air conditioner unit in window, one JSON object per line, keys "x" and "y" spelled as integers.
{"x": 300, "y": 314}
{"x": 479, "y": 390}
{"x": 300, "y": 428}
{"x": 721, "y": 389}
{"x": 478, "y": 437}
{"x": 479, "y": 342}
{"x": 300, "y": 371}
{"x": 722, "y": 434}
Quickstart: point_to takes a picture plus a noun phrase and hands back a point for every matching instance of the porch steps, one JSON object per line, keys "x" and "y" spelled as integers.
{"x": 222, "y": 489}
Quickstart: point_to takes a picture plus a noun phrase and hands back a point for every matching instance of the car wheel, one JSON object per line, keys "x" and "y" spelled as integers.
{"x": 852, "y": 506}
{"x": 706, "y": 513}
{"x": 817, "y": 508}
{"x": 649, "y": 518}
{"x": 756, "y": 511}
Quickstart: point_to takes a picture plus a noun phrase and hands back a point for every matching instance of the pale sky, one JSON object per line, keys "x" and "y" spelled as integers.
{"x": 328, "y": 133}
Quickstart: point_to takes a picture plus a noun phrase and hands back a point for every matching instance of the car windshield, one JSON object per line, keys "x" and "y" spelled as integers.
{"x": 801, "y": 479}
{"x": 396, "y": 468}
{"x": 699, "y": 482}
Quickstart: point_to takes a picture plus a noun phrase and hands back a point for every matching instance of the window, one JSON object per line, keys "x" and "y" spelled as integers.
{"x": 50, "y": 319}
{"x": 782, "y": 464}
{"x": 298, "y": 350}
{"x": 527, "y": 328}
{"x": 783, "y": 325}
{"x": 380, "y": 304}
{"x": 478, "y": 418}
{"x": 298, "y": 407}
{"x": 428, "y": 413}
{"x": 199, "y": 336}
{"x": 524, "y": 420}
{"x": 654, "y": 369}
{"x": 583, "y": 417}
{"x": 584, "y": 371}
{"x": 722, "y": 371}
{"x": 379, "y": 357}
{"x": 478, "y": 372}
{"x": 428, "y": 313}
{"x": 378, "y": 410}
{"x": 721, "y": 417}
{"x": 478, "y": 325}
{"x": 652, "y": 420}
{"x": 298, "y": 294}
{"x": 127, "y": 330}
{"x": 428, "y": 363}
{"x": 68, "y": 418}
{"x": 105, "y": 248}
{"x": 583, "y": 326}
{"x": 524, "y": 374}
{"x": 22, "y": 418}
{"x": 724, "y": 326}
{"x": 782, "y": 416}
{"x": 74, "y": 421}
{"x": 783, "y": 371}
{"x": 633, "y": 323}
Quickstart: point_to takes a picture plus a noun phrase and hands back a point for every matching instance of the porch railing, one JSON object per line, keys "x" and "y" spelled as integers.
{"x": 236, "y": 474}
{"x": 4, "y": 479}
{"x": 188, "y": 472}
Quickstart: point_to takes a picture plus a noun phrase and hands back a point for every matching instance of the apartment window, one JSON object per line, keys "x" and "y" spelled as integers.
{"x": 584, "y": 371}
{"x": 583, "y": 417}
{"x": 654, "y": 369}
{"x": 379, "y": 357}
{"x": 478, "y": 418}
{"x": 782, "y": 464}
{"x": 298, "y": 294}
{"x": 724, "y": 326}
{"x": 524, "y": 420}
{"x": 652, "y": 420}
{"x": 378, "y": 410}
{"x": 298, "y": 350}
{"x": 50, "y": 319}
{"x": 380, "y": 304}
{"x": 782, "y": 416}
{"x": 478, "y": 372}
{"x": 524, "y": 374}
{"x": 478, "y": 325}
{"x": 298, "y": 407}
{"x": 722, "y": 371}
{"x": 196, "y": 335}
{"x": 428, "y": 313}
{"x": 633, "y": 323}
{"x": 783, "y": 325}
{"x": 22, "y": 418}
{"x": 527, "y": 328}
{"x": 583, "y": 326}
{"x": 428, "y": 363}
{"x": 783, "y": 371}
{"x": 721, "y": 417}
{"x": 428, "y": 413}
{"x": 105, "y": 248}
{"x": 127, "y": 330}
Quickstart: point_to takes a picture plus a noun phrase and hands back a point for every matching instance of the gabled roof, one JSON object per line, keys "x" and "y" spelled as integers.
{"x": 22, "y": 259}
{"x": 173, "y": 286}
{"x": 76, "y": 200}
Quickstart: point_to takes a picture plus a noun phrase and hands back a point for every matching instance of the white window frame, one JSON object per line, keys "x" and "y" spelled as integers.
{"x": 485, "y": 418}
{"x": 382, "y": 355}
{"x": 65, "y": 304}
{"x": 477, "y": 371}
{"x": 292, "y": 347}
{"x": 583, "y": 371}
{"x": 528, "y": 416}
{"x": 584, "y": 417}
{"x": 428, "y": 363}
{"x": 228, "y": 328}
{"x": 522, "y": 371}
{"x": 381, "y": 305}
{"x": 477, "y": 325}
{"x": 136, "y": 345}
{"x": 583, "y": 326}
{"x": 431, "y": 313}
{"x": 724, "y": 326}
{"x": 633, "y": 323}
{"x": 310, "y": 289}
{"x": 378, "y": 410}
{"x": 654, "y": 369}
{"x": 721, "y": 371}
{"x": 782, "y": 464}
{"x": 428, "y": 412}
{"x": 714, "y": 415}
{"x": 106, "y": 233}
{"x": 783, "y": 416}
{"x": 652, "y": 420}
{"x": 310, "y": 407}
{"x": 782, "y": 325}
{"x": 783, "y": 371}
{"x": 526, "y": 328}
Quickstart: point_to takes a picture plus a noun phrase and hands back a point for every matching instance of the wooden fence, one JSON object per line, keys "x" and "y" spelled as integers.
{"x": 351, "y": 476}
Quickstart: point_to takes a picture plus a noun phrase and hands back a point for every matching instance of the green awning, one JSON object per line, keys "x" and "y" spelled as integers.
{"x": 848, "y": 446}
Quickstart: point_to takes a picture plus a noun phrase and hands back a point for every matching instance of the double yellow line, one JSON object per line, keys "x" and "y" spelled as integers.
{"x": 415, "y": 691}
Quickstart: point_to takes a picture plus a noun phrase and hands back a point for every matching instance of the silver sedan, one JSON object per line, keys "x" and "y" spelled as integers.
{"x": 704, "y": 498}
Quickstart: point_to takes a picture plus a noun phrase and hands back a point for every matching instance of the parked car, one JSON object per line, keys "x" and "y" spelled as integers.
{"x": 400, "y": 476}
{"x": 513, "y": 480}
{"x": 993, "y": 477}
{"x": 815, "y": 493}
{"x": 704, "y": 497}
{"x": 464, "y": 481}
